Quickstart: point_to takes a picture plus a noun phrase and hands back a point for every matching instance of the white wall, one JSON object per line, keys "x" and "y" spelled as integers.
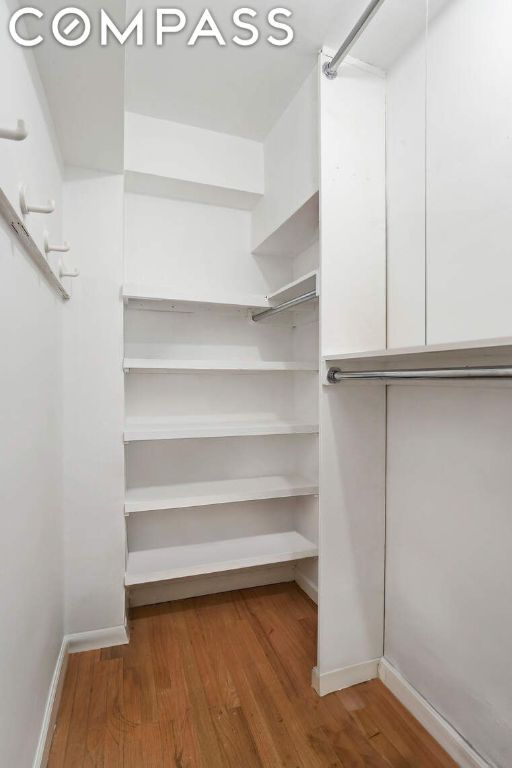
{"x": 291, "y": 163}
{"x": 449, "y": 572}
{"x": 94, "y": 405}
{"x": 31, "y": 574}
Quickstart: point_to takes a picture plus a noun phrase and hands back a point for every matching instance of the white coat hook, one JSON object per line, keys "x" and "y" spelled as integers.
{"x": 68, "y": 271}
{"x": 15, "y": 134}
{"x": 26, "y": 207}
{"x": 49, "y": 248}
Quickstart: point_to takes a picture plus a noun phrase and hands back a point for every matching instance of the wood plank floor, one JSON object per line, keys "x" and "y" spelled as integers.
{"x": 224, "y": 682}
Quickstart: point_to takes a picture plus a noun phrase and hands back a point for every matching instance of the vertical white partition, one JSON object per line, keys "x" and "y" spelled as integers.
{"x": 352, "y": 419}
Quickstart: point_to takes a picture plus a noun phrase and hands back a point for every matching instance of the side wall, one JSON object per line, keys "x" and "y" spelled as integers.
{"x": 31, "y": 417}
{"x": 94, "y": 405}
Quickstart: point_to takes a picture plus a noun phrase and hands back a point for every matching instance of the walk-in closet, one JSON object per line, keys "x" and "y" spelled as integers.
{"x": 256, "y": 392}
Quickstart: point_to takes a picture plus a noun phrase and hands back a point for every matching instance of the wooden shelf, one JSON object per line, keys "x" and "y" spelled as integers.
{"x": 137, "y": 431}
{"x": 304, "y": 284}
{"x": 151, "y": 565}
{"x": 182, "y": 495}
{"x": 169, "y": 299}
{"x": 152, "y": 365}
{"x": 479, "y": 351}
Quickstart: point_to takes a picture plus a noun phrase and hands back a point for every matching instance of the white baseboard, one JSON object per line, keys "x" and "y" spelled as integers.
{"x": 339, "y": 679}
{"x": 51, "y": 708}
{"x": 196, "y": 586}
{"x": 82, "y": 641}
{"x": 439, "y": 728}
{"x": 97, "y": 638}
{"x": 307, "y": 586}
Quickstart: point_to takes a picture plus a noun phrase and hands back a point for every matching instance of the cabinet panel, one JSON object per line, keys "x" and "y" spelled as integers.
{"x": 469, "y": 171}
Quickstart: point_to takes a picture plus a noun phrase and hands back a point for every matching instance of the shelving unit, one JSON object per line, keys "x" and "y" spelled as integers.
{"x": 152, "y": 565}
{"x": 162, "y": 430}
{"x": 141, "y": 365}
{"x": 221, "y": 468}
{"x": 182, "y": 495}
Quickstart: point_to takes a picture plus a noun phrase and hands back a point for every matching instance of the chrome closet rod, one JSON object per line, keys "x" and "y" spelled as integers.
{"x": 285, "y": 305}
{"x": 330, "y": 68}
{"x": 336, "y": 375}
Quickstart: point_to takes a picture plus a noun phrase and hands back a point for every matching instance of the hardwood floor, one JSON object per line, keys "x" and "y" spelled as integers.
{"x": 224, "y": 682}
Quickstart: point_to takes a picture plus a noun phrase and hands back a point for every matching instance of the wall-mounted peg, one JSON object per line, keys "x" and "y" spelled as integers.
{"x": 49, "y": 247}
{"x": 15, "y": 134}
{"x": 26, "y": 207}
{"x": 68, "y": 271}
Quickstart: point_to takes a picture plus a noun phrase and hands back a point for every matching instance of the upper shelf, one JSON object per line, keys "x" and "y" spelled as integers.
{"x": 473, "y": 351}
{"x": 168, "y": 298}
{"x": 295, "y": 234}
{"x": 192, "y": 191}
{"x": 152, "y": 365}
{"x": 303, "y": 284}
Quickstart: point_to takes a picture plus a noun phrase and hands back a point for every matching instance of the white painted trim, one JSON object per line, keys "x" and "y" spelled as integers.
{"x": 307, "y": 586}
{"x": 439, "y": 728}
{"x": 345, "y": 677}
{"x": 81, "y": 641}
{"x": 51, "y": 708}
{"x": 97, "y": 638}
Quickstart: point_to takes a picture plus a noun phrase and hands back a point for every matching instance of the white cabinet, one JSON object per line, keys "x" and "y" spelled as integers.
{"x": 469, "y": 172}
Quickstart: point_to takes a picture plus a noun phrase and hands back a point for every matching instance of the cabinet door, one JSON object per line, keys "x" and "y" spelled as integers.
{"x": 405, "y": 178}
{"x": 469, "y": 170}
{"x": 394, "y": 42}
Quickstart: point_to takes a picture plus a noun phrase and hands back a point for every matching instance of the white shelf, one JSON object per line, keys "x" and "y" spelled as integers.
{"x": 481, "y": 347}
{"x": 138, "y": 430}
{"x": 167, "y": 563}
{"x": 304, "y": 284}
{"x": 157, "y": 185}
{"x": 182, "y": 495}
{"x": 293, "y": 236}
{"x": 168, "y": 298}
{"x": 152, "y": 365}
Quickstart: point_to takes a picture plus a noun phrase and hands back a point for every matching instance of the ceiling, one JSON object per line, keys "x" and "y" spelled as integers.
{"x": 230, "y": 89}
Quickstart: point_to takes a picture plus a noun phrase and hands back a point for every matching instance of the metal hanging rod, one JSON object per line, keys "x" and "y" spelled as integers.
{"x": 330, "y": 68}
{"x": 336, "y": 375}
{"x": 285, "y": 305}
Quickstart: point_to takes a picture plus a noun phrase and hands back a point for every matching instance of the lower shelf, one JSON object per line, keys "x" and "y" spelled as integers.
{"x": 182, "y": 495}
{"x": 152, "y": 565}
